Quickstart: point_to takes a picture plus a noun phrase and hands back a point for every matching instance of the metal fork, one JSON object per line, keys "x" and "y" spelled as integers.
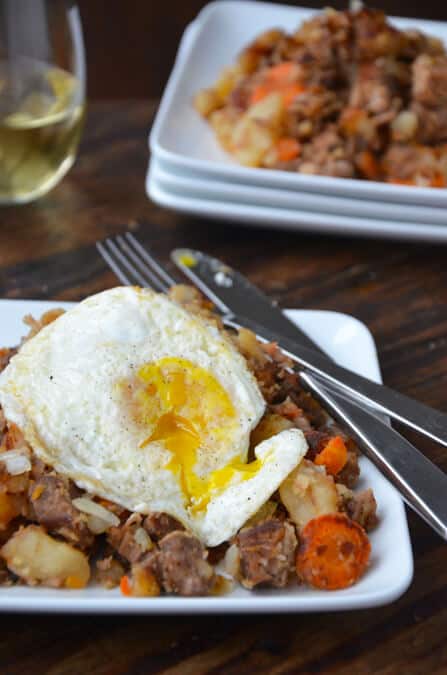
{"x": 422, "y": 484}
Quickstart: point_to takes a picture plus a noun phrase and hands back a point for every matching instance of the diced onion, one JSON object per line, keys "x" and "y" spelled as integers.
{"x": 231, "y": 562}
{"x": 98, "y": 515}
{"x": 143, "y": 539}
{"x": 15, "y": 462}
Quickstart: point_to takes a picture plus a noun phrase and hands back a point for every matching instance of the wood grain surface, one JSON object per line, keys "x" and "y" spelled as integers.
{"x": 399, "y": 290}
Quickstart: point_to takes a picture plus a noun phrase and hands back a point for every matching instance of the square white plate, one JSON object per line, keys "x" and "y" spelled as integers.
{"x": 207, "y": 204}
{"x": 211, "y": 42}
{"x": 351, "y": 344}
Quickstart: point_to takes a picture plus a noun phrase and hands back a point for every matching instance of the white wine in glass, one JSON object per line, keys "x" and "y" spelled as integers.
{"x": 42, "y": 95}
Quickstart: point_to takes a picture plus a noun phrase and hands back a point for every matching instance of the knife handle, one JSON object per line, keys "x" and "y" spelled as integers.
{"x": 418, "y": 416}
{"x": 421, "y": 483}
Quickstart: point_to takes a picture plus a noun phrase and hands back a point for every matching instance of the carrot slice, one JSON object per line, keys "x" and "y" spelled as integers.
{"x": 368, "y": 165}
{"x": 287, "y": 149}
{"x": 334, "y": 552}
{"x": 333, "y": 456}
{"x": 125, "y": 585}
{"x": 280, "y": 79}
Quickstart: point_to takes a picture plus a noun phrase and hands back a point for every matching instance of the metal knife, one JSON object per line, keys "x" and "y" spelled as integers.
{"x": 422, "y": 485}
{"x": 221, "y": 284}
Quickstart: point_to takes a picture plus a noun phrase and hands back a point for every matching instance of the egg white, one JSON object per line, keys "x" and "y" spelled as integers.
{"x": 63, "y": 391}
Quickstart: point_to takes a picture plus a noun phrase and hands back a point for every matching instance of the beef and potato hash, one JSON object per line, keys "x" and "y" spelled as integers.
{"x": 346, "y": 95}
{"x": 313, "y": 530}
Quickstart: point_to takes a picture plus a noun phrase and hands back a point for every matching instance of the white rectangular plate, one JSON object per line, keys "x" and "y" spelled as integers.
{"x": 181, "y": 182}
{"x": 206, "y": 205}
{"x": 212, "y": 41}
{"x": 349, "y": 342}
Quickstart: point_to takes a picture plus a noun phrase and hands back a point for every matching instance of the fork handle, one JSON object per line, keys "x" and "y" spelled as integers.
{"x": 421, "y": 483}
{"x": 418, "y": 416}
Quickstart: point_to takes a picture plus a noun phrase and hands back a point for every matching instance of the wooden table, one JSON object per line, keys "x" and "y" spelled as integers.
{"x": 399, "y": 290}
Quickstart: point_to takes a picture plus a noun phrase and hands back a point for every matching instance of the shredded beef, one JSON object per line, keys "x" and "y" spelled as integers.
{"x": 108, "y": 571}
{"x": 181, "y": 565}
{"x": 350, "y": 473}
{"x": 361, "y": 506}
{"x": 52, "y": 507}
{"x": 122, "y": 539}
{"x": 158, "y": 525}
{"x": 267, "y": 553}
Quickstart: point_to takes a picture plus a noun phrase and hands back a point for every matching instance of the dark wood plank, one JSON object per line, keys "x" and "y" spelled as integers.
{"x": 398, "y": 289}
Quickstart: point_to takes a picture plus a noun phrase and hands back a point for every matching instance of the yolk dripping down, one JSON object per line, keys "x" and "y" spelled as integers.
{"x": 188, "y": 409}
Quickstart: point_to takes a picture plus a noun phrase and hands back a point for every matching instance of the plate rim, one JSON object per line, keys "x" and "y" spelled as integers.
{"x": 345, "y": 600}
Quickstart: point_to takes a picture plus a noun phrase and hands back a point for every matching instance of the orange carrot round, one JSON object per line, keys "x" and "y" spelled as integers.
{"x": 287, "y": 149}
{"x": 125, "y": 585}
{"x": 334, "y": 552}
{"x": 333, "y": 456}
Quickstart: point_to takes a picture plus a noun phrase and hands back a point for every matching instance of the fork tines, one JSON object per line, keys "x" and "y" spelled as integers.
{"x": 133, "y": 264}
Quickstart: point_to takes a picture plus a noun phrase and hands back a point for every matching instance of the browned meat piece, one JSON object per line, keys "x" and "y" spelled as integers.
{"x": 311, "y": 111}
{"x": 316, "y": 441}
{"x": 361, "y": 507}
{"x": 327, "y": 154}
{"x": 382, "y": 86}
{"x": 432, "y": 123}
{"x": 108, "y": 572}
{"x": 292, "y": 412}
{"x": 374, "y": 37}
{"x": 2, "y": 424}
{"x": 325, "y": 48}
{"x": 51, "y": 506}
{"x": 158, "y": 525}
{"x": 418, "y": 43}
{"x": 181, "y": 565}
{"x": 412, "y": 164}
{"x": 5, "y": 357}
{"x": 267, "y": 553}
{"x": 350, "y": 473}
{"x": 130, "y": 540}
{"x": 430, "y": 80}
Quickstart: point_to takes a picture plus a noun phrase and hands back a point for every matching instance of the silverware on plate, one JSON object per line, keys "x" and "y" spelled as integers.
{"x": 422, "y": 485}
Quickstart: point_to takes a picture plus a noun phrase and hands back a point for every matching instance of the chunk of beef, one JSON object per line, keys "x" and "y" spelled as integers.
{"x": 361, "y": 506}
{"x": 431, "y": 123}
{"x": 310, "y": 111}
{"x": 181, "y": 565}
{"x": 430, "y": 80}
{"x": 108, "y": 572}
{"x": 380, "y": 87}
{"x": 158, "y": 525}
{"x": 411, "y": 163}
{"x": 130, "y": 540}
{"x": 267, "y": 553}
{"x": 375, "y": 37}
{"x": 350, "y": 473}
{"x": 52, "y": 507}
{"x": 327, "y": 154}
{"x": 316, "y": 441}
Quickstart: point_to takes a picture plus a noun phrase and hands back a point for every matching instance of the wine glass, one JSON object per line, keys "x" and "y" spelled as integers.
{"x": 42, "y": 95}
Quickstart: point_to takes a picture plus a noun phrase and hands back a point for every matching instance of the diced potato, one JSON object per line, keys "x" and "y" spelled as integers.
{"x": 257, "y": 130}
{"x": 207, "y": 101}
{"x": 38, "y": 558}
{"x": 223, "y": 123}
{"x": 270, "y": 425}
{"x": 308, "y": 492}
{"x": 143, "y": 584}
{"x": 226, "y": 83}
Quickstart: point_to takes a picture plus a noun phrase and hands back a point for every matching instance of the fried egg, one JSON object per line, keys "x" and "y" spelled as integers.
{"x": 147, "y": 405}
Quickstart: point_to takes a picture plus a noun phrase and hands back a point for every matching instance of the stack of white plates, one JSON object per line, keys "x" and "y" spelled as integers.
{"x": 189, "y": 172}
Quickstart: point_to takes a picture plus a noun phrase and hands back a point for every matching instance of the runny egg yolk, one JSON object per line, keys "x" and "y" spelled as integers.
{"x": 188, "y": 410}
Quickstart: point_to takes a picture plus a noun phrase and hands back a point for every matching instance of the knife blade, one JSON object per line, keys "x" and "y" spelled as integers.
{"x": 228, "y": 297}
{"x": 234, "y": 294}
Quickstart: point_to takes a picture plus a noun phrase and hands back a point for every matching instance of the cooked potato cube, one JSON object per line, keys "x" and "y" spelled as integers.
{"x": 308, "y": 492}
{"x": 38, "y": 558}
